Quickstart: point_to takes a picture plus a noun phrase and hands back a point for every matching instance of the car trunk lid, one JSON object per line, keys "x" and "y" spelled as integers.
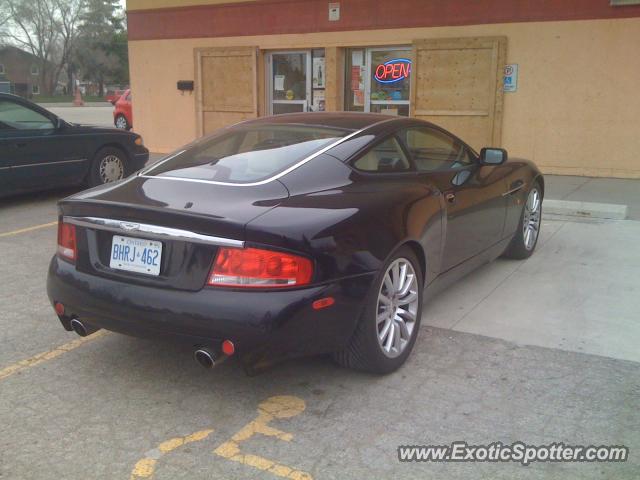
{"x": 190, "y": 219}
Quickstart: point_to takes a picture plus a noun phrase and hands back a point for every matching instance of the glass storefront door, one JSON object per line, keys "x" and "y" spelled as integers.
{"x": 378, "y": 80}
{"x": 289, "y": 76}
{"x": 296, "y": 81}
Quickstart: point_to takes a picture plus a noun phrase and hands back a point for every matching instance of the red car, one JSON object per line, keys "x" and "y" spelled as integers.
{"x": 122, "y": 116}
{"x": 112, "y": 96}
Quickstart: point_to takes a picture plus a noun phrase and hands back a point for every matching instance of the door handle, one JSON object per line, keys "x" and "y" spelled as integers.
{"x": 514, "y": 187}
{"x": 450, "y": 196}
{"x": 21, "y": 145}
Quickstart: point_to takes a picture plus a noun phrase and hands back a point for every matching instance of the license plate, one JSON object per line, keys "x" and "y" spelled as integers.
{"x": 136, "y": 255}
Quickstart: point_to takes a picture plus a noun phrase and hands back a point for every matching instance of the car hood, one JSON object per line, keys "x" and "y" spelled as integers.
{"x": 204, "y": 207}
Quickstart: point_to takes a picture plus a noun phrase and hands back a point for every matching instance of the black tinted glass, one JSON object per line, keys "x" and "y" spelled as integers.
{"x": 385, "y": 157}
{"x": 14, "y": 116}
{"x": 434, "y": 150}
{"x": 248, "y": 154}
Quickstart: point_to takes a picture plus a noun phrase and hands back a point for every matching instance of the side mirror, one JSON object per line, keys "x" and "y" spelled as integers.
{"x": 59, "y": 123}
{"x": 493, "y": 156}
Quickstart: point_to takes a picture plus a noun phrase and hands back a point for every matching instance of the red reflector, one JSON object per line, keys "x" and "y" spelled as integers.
{"x": 257, "y": 268}
{"x": 323, "y": 303}
{"x": 59, "y": 308}
{"x": 67, "y": 241}
{"x": 228, "y": 348}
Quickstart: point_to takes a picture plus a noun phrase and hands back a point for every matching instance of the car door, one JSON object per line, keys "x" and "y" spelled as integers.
{"x": 38, "y": 151}
{"x": 470, "y": 195}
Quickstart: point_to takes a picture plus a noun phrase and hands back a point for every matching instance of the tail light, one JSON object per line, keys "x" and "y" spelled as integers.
{"x": 67, "y": 241}
{"x": 257, "y": 268}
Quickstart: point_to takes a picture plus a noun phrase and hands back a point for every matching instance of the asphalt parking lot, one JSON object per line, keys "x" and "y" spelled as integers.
{"x": 540, "y": 351}
{"x": 91, "y": 114}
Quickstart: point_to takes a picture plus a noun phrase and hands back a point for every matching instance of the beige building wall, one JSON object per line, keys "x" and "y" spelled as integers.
{"x": 576, "y": 111}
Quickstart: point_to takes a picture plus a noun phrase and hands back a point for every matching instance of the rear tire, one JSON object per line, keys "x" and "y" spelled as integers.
{"x": 526, "y": 238}
{"x": 109, "y": 165}
{"x": 369, "y": 349}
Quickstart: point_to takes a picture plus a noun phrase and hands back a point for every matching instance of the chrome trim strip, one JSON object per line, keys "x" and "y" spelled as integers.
{"x": 160, "y": 162}
{"x": 151, "y": 231}
{"x": 270, "y": 179}
{"x": 49, "y": 163}
{"x": 513, "y": 190}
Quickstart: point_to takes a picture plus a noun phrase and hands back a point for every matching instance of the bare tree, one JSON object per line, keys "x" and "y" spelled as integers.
{"x": 34, "y": 26}
{"x": 70, "y": 14}
{"x": 5, "y": 16}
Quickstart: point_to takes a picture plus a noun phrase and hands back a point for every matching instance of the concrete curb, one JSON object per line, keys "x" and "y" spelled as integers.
{"x": 569, "y": 208}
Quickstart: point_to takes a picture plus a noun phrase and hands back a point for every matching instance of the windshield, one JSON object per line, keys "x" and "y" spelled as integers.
{"x": 248, "y": 154}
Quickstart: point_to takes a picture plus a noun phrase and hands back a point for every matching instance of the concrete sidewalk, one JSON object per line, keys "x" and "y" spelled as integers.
{"x": 616, "y": 191}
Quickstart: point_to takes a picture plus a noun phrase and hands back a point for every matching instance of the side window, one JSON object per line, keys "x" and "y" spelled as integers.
{"x": 385, "y": 157}
{"x": 435, "y": 150}
{"x": 14, "y": 116}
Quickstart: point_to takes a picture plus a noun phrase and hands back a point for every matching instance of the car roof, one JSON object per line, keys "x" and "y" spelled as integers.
{"x": 10, "y": 96}
{"x": 344, "y": 120}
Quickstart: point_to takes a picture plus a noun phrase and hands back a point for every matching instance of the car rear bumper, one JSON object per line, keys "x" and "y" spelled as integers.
{"x": 264, "y": 326}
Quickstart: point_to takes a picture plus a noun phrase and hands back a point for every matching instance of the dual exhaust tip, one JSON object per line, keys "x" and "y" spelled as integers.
{"x": 206, "y": 357}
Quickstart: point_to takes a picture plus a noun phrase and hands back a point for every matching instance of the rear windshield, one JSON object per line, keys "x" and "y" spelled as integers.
{"x": 247, "y": 154}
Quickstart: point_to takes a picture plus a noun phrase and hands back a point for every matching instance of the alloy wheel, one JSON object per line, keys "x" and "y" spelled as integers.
{"x": 111, "y": 169}
{"x": 398, "y": 303}
{"x": 531, "y": 218}
{"x": 121, "y": 123}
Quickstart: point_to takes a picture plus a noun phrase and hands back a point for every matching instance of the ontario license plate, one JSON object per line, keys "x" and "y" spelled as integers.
{"x": 136, "y": 255}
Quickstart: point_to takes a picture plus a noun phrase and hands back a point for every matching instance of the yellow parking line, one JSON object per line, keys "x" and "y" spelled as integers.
{"x": 49, "y": 355}
{"x": 28, "y": 229}
{"x": 145, "y": 467}
{"x": 283, "y": 406}
{"x": 279, "y": 407}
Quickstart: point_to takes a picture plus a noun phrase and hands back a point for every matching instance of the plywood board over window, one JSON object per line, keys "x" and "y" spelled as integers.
{"x": 226, "y": 86}
{"x": 457, "y": 84}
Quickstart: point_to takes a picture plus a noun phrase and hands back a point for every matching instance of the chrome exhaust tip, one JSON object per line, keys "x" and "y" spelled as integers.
{"x": 82, "y": 329}
{"x": 78, "y": 327}
{"x": 205, "y": 357}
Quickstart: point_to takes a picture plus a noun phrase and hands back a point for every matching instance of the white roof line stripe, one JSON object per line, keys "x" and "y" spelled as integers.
{"x": 270, "y": 179}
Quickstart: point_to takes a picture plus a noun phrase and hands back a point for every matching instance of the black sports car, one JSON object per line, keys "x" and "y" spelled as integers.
{"x": 38, "y": 150}
{"x": 292, "y": 235}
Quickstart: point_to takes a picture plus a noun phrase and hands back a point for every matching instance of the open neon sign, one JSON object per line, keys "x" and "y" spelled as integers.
{"x": 393, "y": 71}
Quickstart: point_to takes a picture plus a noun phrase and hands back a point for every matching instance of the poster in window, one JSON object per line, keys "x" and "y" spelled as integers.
{"x": 278, "y": 83}
{"x": 318, "y": 100}
{"x": 358, "y": 98}
{"x": 318, "y": 72}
